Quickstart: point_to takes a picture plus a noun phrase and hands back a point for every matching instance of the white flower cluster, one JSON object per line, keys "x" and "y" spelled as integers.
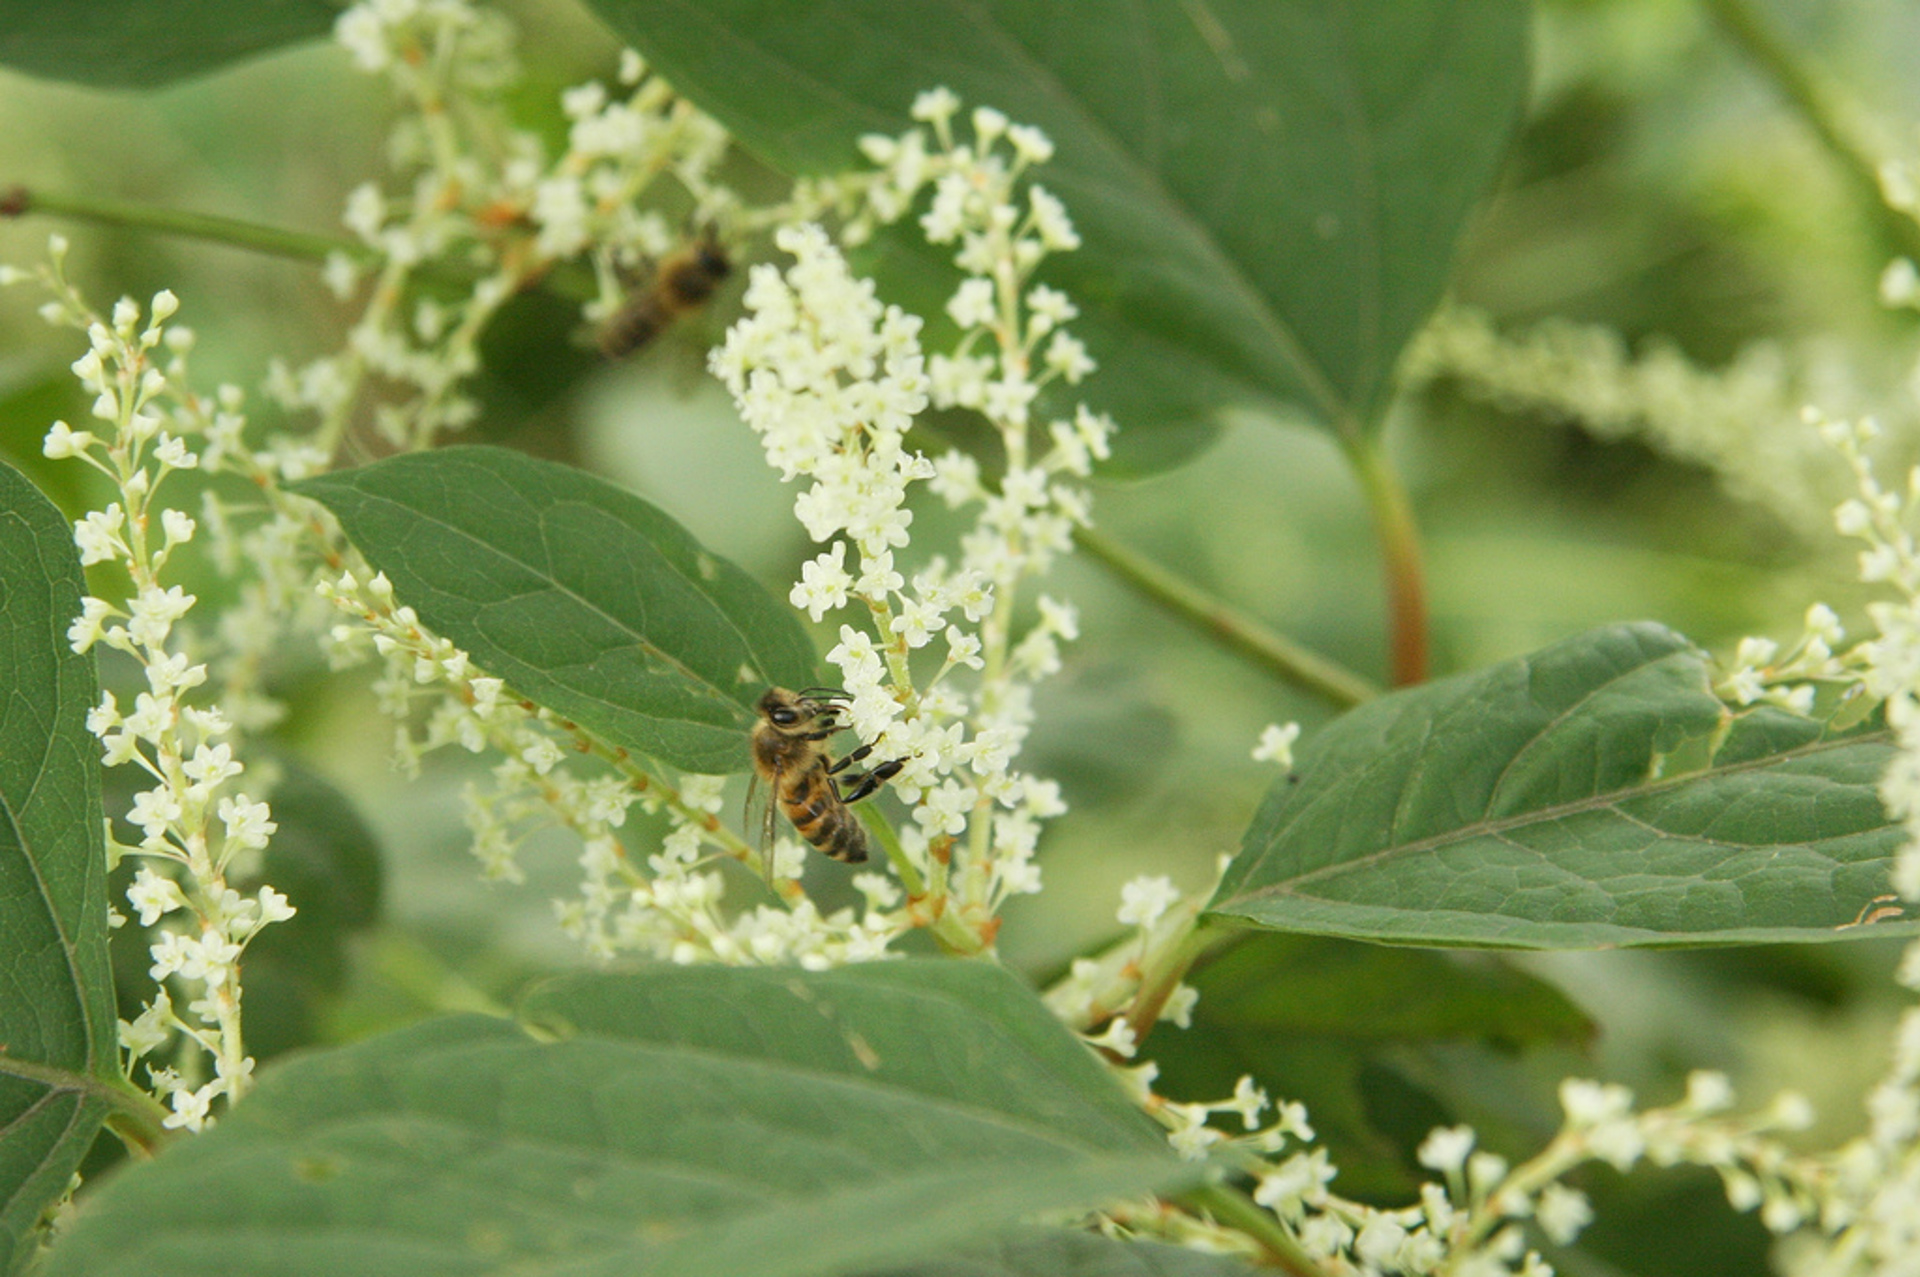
{"x": 484, "y": 198}
{"x": 1742, "y": 422}
{"x": 196, "y": 828}
{"x": 1473, "y": 1220}
{"x": 831, "y": 380}
{"x": 1762, "y": 673}
{"x": 1865, "y": 1198}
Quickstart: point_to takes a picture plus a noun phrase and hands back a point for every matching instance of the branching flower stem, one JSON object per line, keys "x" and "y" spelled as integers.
{"x": 1166, "y": 964}
{"x": 1229, "y": 1206}
{"x": 1238, "y": 632}
{"x": 278, "y": 241}
{"x": 1400, "y": 550}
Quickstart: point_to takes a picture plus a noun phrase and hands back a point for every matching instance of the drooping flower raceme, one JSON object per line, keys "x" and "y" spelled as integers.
{"x": 197, "y": 830}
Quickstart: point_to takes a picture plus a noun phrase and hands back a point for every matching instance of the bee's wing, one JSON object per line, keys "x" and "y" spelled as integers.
{"x": 769, "y": 805}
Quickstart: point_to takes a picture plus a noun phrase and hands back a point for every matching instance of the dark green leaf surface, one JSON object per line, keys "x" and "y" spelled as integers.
{"x": 462, "y": 1146}
{"x": 1295, "y": 986}
{"x": 57, "y": 1041}
{"x": 1048, "y": 1253}
{"x": 142, "y": 43}
{"x": 1269, "y": 194}
{"x": 1579, "y": 797}
{"x": 580, "y": 595}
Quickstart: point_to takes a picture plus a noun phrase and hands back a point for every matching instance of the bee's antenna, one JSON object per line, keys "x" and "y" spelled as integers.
{"x": 826, "y": 693}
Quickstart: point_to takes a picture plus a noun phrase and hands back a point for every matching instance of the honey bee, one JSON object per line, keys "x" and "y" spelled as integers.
{"x": 803, "y": 781}
{"x": 681, "y": 283}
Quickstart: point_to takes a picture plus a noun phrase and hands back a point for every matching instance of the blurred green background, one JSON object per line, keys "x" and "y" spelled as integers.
{"x": 1660, "y": 187}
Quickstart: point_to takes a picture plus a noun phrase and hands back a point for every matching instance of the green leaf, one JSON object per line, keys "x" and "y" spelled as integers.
{"x": 57, "y": 1036}
{"x": 1269, "y": 195}
{"x": 1583, "y": 796}
{"x": 1052, "y": 1253}
{"x": 142, "y": 43}
{"x": 873, "y": 1020}
{"x": 580, "y": 595}
{"x": 1295, "y": 986}
{"x": 793, "y": 1139}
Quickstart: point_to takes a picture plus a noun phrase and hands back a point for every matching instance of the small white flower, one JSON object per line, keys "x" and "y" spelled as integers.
{"x": 823, "y": 583}
{"x": 1178, "y": 1010}
{"x": 64, "y": 441}
{"x": 192, "y": 1109}
{"x": 1118, "y": 1037}
{"x": 973, "y": 305}
{"x": 1145, "y": 899}
{"x": 98, "y": 535}
{"x": 1276, "y": 744}
{"x": 1446, "y": 1147}
{"x": 273, "y": 907}
{"x": 1563, "y": 1212}
{"x": 1249, "y": 1101}
{"x": 935, "y": 106}
{"x": 153, "y": 896}
{"x": 247, "y": 823}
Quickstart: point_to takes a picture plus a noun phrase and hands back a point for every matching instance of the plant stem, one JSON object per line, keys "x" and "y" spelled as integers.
{"x": 137, "y": 1120}
{"x": 1400, "y": 557}
{"x": 1235, "y": 1209}
{"x": 19, "y": 201}
{"x": 1162, "y": 973}
{"x": 1235, "y": 630}
{"x": 952, "y": 934}
{"x": 1796, "y": 80}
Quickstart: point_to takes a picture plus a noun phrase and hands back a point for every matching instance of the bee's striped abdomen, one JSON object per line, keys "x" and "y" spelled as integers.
{"x": 818, "y": 815}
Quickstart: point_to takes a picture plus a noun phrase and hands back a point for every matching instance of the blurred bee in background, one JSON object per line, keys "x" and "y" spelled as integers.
{"x": 804, "y": 782}
{"x": 682, "y": 282}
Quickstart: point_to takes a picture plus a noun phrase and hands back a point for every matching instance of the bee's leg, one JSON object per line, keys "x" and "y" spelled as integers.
{"x": 861, "y": 786}
{"x": 840, "y": 764}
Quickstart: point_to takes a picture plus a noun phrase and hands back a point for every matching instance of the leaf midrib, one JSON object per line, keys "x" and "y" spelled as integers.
{"x": 1542, "y": 815}
{"x": 1286, "y": 340}
{"x": 639, "y": 640}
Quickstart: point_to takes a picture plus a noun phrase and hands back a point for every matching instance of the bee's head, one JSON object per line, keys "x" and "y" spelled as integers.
{"x": 793, "y": 712}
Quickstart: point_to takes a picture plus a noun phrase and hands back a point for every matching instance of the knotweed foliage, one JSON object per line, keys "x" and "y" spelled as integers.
{"x": 1618, "y": 788}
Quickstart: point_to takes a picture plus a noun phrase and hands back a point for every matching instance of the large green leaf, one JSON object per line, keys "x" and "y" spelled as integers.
{"x": 142, "y": 43}
{"x": 1593, "y": 794}
{"x": 828, "y": 1124}
{"x": 1269, "y": 192}
{"x": 57, "y": 1043}
{"x": 875, "y": 1020}
{"x": 580, "y": 595}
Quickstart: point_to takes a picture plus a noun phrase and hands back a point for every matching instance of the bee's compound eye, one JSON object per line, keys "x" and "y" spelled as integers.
{"x": 784, "y": 715}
